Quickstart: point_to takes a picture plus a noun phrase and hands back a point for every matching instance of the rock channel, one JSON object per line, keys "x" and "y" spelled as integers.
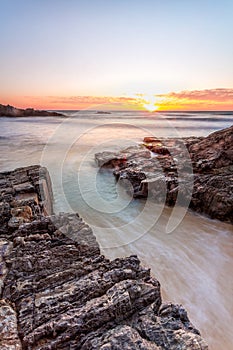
{"x": 193, "y": 171}
{"x": 58, "y": 292}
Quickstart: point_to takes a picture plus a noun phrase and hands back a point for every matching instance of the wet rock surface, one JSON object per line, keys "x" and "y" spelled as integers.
{"x": 59, "y": 292}
{"x": 193, "y": 171}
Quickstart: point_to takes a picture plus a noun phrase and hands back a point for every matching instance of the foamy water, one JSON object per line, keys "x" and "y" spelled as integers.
{"x": 193, "y": 263}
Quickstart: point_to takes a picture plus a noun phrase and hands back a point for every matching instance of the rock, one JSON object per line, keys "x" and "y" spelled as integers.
{"x": 213, "y": 195}
{"x": 25, "y": 194}
{"x": 9, "y": 111}
{"x": 170, "y": 328}
{"x": 169, "y": 169}
{"x": 23, "y": 199}
{"x": 111, "y": 159}
{"x": 24, "y": 187}
{"x": 5, "y": 248}
{"x": 118, "y": 338}
{"x": 5, "y": 215}
{"x": 9, "y": 339}
{"x": 214, "y": 151}
{"x": 103, "y": 112}
{"x": 59, "y": 292}
{"x": 24, "y": 212}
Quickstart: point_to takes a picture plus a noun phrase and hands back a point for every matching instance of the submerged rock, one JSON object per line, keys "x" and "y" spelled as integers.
{"x": 199, "y": 169}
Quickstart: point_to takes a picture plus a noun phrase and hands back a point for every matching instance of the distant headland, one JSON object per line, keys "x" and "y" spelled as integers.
{"x": 10, "y": 111}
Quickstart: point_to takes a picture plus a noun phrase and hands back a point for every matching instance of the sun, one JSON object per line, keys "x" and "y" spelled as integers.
{"x": 150, "y": 106}
{"x": 150, "y": 102}
{"x": 146, "y": 101}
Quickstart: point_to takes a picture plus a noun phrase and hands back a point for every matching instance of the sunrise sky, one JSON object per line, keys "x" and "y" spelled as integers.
{"x": 150, "y": 54}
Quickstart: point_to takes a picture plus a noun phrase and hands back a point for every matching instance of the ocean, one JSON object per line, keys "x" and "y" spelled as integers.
{"x": 194, "y": 262}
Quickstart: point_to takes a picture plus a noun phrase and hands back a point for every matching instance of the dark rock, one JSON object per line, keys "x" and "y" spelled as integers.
{"x": 103, "y": 112}
{"x": 10, "y": 111}
{"x": 169, "y": 329}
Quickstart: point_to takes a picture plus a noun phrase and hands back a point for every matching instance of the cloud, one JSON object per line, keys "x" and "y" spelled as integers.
{"x": 74, "y": 102}
{"x": 208, "y": 99}
{"x": 89, "y": 100}
{"x": 212, "y": 95}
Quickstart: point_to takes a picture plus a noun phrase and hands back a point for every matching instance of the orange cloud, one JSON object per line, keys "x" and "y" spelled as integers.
{"x": 210, "y": 99}
{"x": 220, "y": 95}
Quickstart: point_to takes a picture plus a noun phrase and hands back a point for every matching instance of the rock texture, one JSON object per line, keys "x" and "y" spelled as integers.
{"x": 9, "y": 338}
{"x": 10, "y": 111}
{"x": 25, "y": 194}
{"x": 59, "y": 292}
{"x": 198, "y": 169}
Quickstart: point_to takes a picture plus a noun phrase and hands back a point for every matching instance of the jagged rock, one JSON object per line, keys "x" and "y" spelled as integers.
{"x": 119, "y": 338}
{"x": 9, "y": 339}
{"x": 25, "y": 194}
{"x": 169, "y": 169}
{"x": 10, "y": 111}
{"x": 170, "y": 328}
{"x": 5, "y": 216}
{"x": 59, "y": 292}
{"x": 214, "y": 151}
{"x": 5, "y": 248}
{"x": 213, "y": 195}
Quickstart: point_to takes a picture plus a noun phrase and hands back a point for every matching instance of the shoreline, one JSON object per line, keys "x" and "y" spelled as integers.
{"x": 58, "y": 291}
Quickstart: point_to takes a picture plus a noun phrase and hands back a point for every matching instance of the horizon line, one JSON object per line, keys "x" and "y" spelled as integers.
{"x": 142, "y": 110}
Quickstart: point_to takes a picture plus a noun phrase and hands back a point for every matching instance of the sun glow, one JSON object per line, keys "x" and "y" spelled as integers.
{"x": 151, "y": 107}
{"x": 149, "y": 103}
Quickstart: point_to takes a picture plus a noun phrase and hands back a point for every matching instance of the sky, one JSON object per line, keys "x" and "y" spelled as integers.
{"x": 72, "y": 54}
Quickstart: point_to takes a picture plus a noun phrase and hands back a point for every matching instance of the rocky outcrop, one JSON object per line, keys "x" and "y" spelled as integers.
{"x": 10, "y": 111}
{"x": 59, "y": 292}
{"x": 198, "y": 169}
{"x": 25, "y": 195}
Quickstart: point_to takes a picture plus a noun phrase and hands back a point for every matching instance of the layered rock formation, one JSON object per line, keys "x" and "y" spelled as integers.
{"x": 194, "y": 171}
{"x": 57, "y": 290}
{"x": 10, "y": 111}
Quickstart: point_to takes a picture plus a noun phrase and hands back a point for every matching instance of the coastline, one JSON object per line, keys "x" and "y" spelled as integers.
{"x": 58, "y": 291}
{"x": 12, "y": 112}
